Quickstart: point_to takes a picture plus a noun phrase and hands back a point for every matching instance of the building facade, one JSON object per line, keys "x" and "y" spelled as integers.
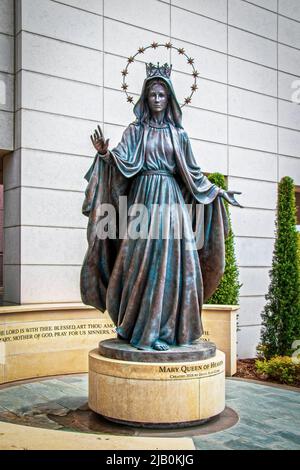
{"x": 60, "y": 75}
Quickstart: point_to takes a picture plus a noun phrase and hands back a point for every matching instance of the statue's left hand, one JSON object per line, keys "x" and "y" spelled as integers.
{"x": 229, "y": 197}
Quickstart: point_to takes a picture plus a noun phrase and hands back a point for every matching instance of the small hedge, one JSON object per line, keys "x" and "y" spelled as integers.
{"x": 229, "y": 287}
{"x": 279, "y": 368}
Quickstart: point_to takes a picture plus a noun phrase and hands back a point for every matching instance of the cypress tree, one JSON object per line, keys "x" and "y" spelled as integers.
{"x": 281, "y": 314}
{"x": 229, "y": 287}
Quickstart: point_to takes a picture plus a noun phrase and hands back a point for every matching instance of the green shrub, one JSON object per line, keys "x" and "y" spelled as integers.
{"x": 281, "y": 315}
{"x": 298, "y": 234}
{"x": 279, "y": 368}
{"x": 229, "y": 287}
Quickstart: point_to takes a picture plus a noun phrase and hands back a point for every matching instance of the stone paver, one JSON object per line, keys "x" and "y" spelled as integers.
{"x": 269, "y": 419}
{"x": 269, "y": 416}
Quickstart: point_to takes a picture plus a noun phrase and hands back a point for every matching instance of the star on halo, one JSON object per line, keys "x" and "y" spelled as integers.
{"x": 187, "y": 100}
{"x": 168, "y": 45}
{"x": 130, "y": 99}
{"x": 154, "y": 45}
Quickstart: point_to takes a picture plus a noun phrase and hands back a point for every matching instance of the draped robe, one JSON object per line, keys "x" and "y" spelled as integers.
{"x": 110, "y": 177}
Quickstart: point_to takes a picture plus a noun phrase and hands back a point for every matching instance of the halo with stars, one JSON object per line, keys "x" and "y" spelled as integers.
{"x": 155, "y": 45}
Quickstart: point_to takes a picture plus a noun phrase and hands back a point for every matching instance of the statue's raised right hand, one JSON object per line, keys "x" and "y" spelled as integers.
{"x": 99, "y": 142}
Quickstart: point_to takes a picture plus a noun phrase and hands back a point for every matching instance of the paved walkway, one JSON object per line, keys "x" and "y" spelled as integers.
{"x": 269, "y": 419}
{"x": 269, "y": 416}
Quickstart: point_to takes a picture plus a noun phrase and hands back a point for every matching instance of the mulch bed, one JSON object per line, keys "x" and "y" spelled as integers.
{"x": 246, "y": 369}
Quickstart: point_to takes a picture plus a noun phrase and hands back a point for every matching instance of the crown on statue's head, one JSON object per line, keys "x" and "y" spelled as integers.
{"x": 158, "y": 71}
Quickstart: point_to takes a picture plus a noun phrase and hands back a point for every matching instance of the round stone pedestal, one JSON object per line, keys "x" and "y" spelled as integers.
{"x": 166, "y": 394}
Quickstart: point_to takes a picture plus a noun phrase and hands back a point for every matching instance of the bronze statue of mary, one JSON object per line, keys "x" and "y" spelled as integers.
{"x": 154, "y": 288}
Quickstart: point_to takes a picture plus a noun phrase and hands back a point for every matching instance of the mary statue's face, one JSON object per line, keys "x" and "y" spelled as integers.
{"x": 157, "y": 98}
